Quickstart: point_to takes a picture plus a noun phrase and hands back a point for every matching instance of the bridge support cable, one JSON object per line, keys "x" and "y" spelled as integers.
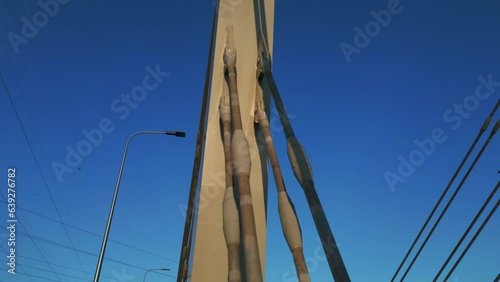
{"x": 231, "y": 221}
{"x": 471, "y": 225}
{"x": 240, "y": 152}
{"x": 288, "y": 217}
{"x": 464, "y": 252}
{"x": 490, "y": 137}
{"x": 303, "y": 172}
{"x": 457, "y": 171}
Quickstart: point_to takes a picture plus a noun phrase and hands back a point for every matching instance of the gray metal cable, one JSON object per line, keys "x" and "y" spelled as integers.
{"x": 471, "y": 225}
{"x": 457, "y": 171}
{"x": 493, "y": 131}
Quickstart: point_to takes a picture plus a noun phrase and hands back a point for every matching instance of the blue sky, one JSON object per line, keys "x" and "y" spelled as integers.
{"x": 355, "y": 119}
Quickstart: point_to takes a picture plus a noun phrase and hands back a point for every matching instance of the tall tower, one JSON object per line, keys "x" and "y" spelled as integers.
{"x": 225, "y": 230}
{"x": 246, "y": 25}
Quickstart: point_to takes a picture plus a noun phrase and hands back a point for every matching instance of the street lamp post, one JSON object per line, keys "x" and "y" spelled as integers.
{"x": 153, "y": 269}
{"x": 112, "y": 209}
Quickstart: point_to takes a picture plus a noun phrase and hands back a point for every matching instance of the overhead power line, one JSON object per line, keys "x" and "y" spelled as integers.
{"x": 33, "y": 241}
{"x": 90, "y": 233}
{"x": 56, "y": 265}
{"x": 39, "y": 168}
{"x": 36, "y": 276}
{"x": 5, "y": 252}
{"x": 82, "y": 251}
{"x": 44, "y": 270}
{"x": 93, "y": 217}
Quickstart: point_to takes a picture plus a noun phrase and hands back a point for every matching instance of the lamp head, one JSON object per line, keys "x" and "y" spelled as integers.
{"x": 176, "y": 133}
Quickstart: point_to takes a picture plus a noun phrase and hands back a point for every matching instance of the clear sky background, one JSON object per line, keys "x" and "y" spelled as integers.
{"x": 354, "y": 119}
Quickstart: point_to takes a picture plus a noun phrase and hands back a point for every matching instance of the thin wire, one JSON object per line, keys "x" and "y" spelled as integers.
{"x": 30, "y": 237}
{"x": 82, "y": 251}
{"x": 58, "y": 265}
{"x": 36, "y": 276}
{"x": 99, "y": 219}
{"x": 39, "y": 168}
{"x": 5, "y": 252}
{"x": 452, "y": 198}
{"x": 479, "y": 213}
{"x": 457, "y": 171}
{"x": 41, "y": 269}
{"x": 88, "y": 232}
{"x": 472, "y": 240}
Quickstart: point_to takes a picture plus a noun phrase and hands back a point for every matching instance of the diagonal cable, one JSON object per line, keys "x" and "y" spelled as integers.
{"x": 481, "y": 131}
{"x": 493, "y": 131}
{"x": 471, "y": 225}
{"x": 472, "y": 240}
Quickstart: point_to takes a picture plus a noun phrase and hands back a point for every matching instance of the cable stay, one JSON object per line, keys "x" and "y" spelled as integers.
{"x": 240, "y": 153}
{"x": 464, "y": 252}
{"x": 303, "y": 172}
{"x": 288, "y": 217}
{"x": 490, "y": 137}
{"x": 479, "y": 213}
{"x": 231, "y": 223}
{"x": 457, "y": 171}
